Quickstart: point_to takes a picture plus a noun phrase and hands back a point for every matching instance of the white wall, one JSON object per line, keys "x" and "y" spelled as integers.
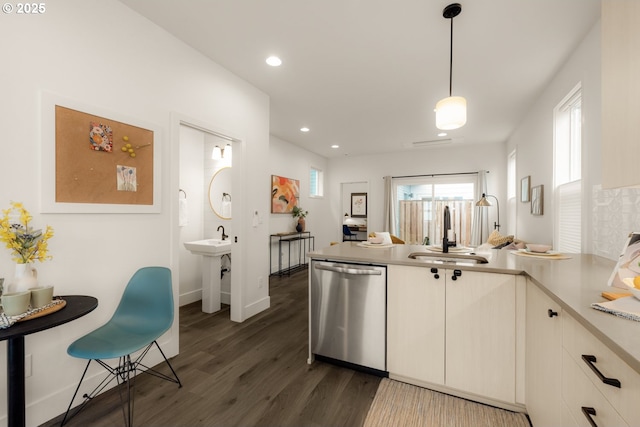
{"x": 448, "y": 159}
{"x": 103, "y": 54}
{"x": 192, "y": 183}
{"x": 212, "y": 221}
{"x": 608, "y": 216}
{"x": 291, "y": 161}
{"x": 533, "y": 138}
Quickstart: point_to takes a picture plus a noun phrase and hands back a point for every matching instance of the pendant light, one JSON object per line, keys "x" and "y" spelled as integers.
{"x": 451, "y": 112}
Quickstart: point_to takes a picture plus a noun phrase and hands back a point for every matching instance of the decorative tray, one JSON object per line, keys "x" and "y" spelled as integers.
{"x": 375, "y": 245}
{"x": 547, "y": 255}
{"x": 55, "y": 305}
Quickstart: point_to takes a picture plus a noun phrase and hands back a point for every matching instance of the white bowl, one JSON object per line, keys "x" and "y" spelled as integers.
{"x": 376, "y": 240}
{"x": 538, "y": 248}
{"x": 629, "y": 282}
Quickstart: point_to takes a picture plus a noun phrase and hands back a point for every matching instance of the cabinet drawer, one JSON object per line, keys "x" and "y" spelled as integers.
{"x": 578, "y": 342}
{"x": 579, "y": 392}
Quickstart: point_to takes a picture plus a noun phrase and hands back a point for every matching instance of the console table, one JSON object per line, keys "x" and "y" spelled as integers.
{"x": 77, "y": 306}
{"x": 306, "y": 244}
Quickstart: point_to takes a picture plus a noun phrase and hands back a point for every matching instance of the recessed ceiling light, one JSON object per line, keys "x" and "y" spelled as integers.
{"x": 274, "y": 61}
{"x": 442, "y": 134}
{"x": 335, "y": 146}
{"x": 304, "y": 129}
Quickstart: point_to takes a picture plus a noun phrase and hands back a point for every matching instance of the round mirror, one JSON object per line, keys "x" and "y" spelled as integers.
{"x": 220, "y": 193}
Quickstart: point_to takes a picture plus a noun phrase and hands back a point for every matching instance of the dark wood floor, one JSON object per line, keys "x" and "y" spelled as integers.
{"x": 253, "y": 373}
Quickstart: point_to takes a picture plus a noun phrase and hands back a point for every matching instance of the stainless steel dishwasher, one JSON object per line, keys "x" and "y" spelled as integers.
{"x": 348, "y": 313}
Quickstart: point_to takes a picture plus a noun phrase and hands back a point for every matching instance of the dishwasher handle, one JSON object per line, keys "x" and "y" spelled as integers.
{"x": 348, "y": 270}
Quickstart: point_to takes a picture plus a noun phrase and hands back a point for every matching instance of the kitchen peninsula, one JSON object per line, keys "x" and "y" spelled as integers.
{"x": 431, "y": 311}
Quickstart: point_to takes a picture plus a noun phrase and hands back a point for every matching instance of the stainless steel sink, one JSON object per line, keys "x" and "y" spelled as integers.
{"x": 449, "y": 257}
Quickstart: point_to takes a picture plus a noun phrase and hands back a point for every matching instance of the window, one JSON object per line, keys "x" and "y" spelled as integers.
{"x": 315, "y": 182}
{"x": 420, "y": 204}
{"x": 568, "y": 172}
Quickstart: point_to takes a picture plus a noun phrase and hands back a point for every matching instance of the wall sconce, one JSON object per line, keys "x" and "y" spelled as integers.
{"x": 216, "y": 154}
{"x": 221, "y": 153}
{"x": 483, "y": 202}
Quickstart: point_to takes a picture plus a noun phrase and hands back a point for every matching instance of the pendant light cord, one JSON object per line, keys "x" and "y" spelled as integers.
{"x": 451, "y": 59}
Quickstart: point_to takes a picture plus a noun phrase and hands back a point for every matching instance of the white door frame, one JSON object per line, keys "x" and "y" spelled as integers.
{"x": 237, "y": 246}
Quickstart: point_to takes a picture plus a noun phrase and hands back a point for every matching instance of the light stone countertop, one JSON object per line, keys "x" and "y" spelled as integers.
{"x": 573, "y": 283}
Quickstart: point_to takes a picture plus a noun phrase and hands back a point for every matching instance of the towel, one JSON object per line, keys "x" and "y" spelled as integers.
{"x": 226, "y": 209}
{"x": 627, "y": 307}
{"x": 183, "y": 218}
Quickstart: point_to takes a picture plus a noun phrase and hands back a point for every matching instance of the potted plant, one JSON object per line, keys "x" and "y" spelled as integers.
{"x": 27, "y": 245}
{"x": 300, "y": 214}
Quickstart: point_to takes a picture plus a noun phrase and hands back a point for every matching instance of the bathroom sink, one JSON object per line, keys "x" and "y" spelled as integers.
{"x": 209, "y": 247}
{"x": 449, "y": 257}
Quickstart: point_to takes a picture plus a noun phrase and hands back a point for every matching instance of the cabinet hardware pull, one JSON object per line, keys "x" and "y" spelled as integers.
{"x": 589, "y": 412}
{"x": 347, "y": 270}
{"x": 590, "y": 360}
{"x": 456, "y": 273}
{"x": 552, "y": 313}
{"x": 435, "y": 273}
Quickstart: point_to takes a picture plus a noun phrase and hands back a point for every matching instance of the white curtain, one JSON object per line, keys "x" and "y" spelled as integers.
{"x": 389, "y": 217}
{"x": 480, "y": 229}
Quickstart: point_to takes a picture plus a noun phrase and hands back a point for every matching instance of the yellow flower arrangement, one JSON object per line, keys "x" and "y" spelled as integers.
{"x": 26, "y": 243}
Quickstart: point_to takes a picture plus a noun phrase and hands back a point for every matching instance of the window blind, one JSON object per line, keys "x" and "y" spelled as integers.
{"x": 569, "y": 202}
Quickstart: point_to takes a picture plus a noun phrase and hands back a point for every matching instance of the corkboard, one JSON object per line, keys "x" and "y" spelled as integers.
{"x": 86, "y": 173}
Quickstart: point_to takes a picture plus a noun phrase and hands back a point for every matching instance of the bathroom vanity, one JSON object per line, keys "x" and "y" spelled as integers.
{"x": 212, "y": 251}
{"x": 466, "y": 332}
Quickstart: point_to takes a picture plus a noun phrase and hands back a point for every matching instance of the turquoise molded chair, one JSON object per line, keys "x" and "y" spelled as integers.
{"x": 145, "y": 313}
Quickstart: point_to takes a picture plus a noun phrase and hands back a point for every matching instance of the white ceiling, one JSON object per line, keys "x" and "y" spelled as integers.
{"x": 366, "y": 74}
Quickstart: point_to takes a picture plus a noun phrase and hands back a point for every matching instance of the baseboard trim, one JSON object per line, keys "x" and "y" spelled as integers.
{"x": 256, "y": 307}
{"x": 515, "y": 407}
{"x": 190, "y": 297}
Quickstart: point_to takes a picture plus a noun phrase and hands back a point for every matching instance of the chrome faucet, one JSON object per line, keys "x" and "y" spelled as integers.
{"x": 224, "y": 236}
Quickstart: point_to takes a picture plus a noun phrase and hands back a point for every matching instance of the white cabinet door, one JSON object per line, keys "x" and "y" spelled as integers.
{"x": 543, "y": 359}
{"x": 481, "y": 334}
{"x": 415, "y": 323}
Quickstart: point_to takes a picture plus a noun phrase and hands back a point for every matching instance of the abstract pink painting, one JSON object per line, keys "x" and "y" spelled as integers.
{"x": 284, "y": 194}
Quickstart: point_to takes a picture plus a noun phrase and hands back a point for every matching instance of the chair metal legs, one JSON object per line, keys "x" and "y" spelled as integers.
{"x": 125, "y": 372}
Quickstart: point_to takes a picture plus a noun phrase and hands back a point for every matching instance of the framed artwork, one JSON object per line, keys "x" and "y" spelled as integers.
{"x": 537, "y": 199}
{"x": 285, "y": 193}
{"x": 525, "y": 189}
{"x": 358, "y": 205}
{"x": 97, "y": 161}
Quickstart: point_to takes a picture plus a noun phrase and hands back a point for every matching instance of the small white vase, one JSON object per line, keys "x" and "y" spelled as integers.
{"x": 25, "y": 278}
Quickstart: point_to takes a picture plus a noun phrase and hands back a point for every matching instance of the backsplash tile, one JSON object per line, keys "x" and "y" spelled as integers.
{"x": 616, "y": 213}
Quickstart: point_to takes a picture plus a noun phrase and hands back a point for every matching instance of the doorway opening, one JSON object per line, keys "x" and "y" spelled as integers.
{"x": 355, "y": 211}
{"x": 197, "y": 164}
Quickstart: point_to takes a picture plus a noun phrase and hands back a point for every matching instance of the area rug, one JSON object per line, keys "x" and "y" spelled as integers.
{"x": 400, "y": 404}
